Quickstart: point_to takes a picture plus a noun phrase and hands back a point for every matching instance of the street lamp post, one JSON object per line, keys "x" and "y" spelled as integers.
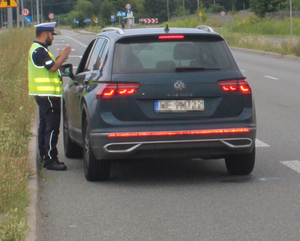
{"x": 291, "y": 18}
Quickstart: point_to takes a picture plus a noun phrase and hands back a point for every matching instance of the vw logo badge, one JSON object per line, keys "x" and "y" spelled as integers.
{"x": 179, "y": 85}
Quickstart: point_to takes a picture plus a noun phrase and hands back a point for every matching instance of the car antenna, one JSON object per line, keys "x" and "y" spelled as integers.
{"x": 167, "y": 29}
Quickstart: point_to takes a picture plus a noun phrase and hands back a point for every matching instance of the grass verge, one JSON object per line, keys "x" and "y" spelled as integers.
{"x": 16, "y": 111}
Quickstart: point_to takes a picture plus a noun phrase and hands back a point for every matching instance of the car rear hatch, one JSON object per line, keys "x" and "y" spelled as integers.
{"x": 182, "y": 77}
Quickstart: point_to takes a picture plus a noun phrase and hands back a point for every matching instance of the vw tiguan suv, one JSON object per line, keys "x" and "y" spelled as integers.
{"x": 163, "y": 92}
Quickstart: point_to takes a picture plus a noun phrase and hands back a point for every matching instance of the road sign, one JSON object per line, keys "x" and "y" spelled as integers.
{"x": 95, "y": 19}
{"x": 128, "y": 11}
{"x": 123, "y": 14}
{"x": 149, "y": 20}
{"x": 119, "y": 14}
{"x": 51, "y": 15}
{"x": 28, "y": 19}
{"x": 25, "y": 12}
{"x": 222, "y": 13}
{"x": 200, "y": 14}
{"x": 8, "y": 4}
{"x": 128, "y": 6}
{"x": 112, "y": 17}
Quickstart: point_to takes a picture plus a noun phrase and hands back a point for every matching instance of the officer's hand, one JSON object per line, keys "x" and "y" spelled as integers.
{"x": 65, "y": 53}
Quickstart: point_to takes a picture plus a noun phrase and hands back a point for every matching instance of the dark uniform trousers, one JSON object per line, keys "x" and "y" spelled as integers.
{"x": 49, "y": 115}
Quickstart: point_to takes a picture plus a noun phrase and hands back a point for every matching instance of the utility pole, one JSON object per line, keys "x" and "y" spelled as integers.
{"x": 18, "y": 14}
{"x": 10, "y": 18}
{"x": 42, "y": 17}
{"x": 37, "y": 12}
{"x": 183, "y": 8}
{"x": 198, "y": 5}
{"x": 32, "y": 11}
{"x": 168, "y": 10}
{"x": 291, "y": 18}
{"x": 22, "y": 7}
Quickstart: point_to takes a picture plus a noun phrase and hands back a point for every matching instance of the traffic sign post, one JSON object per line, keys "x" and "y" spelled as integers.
{"x": 148, "y": 20}
{"x": 28, "y": 19}
{"x": 119, "y": 14}
{"x": 128, "y": 6}
{"x": 51, "y": 16}
{"x": 112, "y": 18}
{"x": 25, "y": 12}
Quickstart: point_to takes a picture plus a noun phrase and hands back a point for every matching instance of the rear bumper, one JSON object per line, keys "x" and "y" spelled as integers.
{"x": 201, "y": 146}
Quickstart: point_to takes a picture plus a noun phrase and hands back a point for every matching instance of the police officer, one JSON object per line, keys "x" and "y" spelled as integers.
{"x": 45, "y": 84}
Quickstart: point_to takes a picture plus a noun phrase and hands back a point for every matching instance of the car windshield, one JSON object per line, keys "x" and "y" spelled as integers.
{"x": 141, "y": 56}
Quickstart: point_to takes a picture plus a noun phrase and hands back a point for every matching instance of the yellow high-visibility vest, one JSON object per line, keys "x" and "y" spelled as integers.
{"x": 41, "y": 81}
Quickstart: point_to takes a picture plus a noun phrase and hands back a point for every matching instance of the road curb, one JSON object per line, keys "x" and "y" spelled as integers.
{"x": 33, "y": 210}
{"x": 275, "y": 55}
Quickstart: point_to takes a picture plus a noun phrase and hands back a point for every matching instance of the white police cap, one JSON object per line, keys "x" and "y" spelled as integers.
{"x": 46, "y": 27}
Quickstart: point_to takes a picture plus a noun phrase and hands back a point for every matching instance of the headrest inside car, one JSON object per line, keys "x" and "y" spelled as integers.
{"x": 184, "y": 51}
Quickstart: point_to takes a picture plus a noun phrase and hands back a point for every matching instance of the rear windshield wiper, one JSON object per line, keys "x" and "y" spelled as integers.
{"x": 185, "y": 69}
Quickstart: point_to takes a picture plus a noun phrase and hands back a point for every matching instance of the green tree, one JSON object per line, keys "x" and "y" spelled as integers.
{"x": 85, "y": 7}
{"x": 216, "y": 8}
{"x": 106, "y": 10}
{"x": 156, "y": 9}
{"x": 260, "y": 7}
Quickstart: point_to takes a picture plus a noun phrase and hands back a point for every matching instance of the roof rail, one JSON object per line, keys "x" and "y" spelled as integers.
{"x": 118, "y": 30}
{"x": 205, "y": 28}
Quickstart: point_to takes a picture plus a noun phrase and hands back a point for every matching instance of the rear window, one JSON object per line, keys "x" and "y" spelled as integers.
{"x": 151, "y": 55}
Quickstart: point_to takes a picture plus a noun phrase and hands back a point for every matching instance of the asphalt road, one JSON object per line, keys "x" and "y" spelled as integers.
{"x": 190, "y": 199}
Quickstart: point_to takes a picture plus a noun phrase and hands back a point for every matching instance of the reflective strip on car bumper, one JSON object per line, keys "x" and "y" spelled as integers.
{"x": 134, "y": 145}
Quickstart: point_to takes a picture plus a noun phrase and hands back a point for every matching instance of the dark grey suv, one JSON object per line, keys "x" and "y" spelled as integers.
{"x": 157, "y": 93}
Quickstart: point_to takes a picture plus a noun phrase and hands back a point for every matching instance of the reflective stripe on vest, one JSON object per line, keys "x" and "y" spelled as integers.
{"x": 41, "y": 81}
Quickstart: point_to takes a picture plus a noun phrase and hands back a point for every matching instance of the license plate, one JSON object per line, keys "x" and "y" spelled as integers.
{"x": 179, "y": 105}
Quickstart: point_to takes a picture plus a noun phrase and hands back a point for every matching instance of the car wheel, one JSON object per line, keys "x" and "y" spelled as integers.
{"x": 72, "y": 150}
{"x": 94, "y": 170}
{"x": 242, "y": 164}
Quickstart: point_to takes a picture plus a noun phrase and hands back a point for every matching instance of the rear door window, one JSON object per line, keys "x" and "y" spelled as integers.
{"x": 93, "y": 62}
{"x": 191, "y": 54}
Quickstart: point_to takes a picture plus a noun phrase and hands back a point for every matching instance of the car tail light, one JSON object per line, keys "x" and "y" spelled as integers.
{"x": 107, "y": 91}
{"x": 174, "y": 133}
{"x": 171, "y": 37}
{"x": 235, "y": 85}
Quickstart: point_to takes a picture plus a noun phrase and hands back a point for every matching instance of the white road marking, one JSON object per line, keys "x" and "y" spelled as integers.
{"x": 77, "y": 41}
{"x": 68, "y": 45}
{"x": 259, "y": 143}
{"x": 75, "y": 56}
{"x": 295, "y": 165}
{"x": 270, "y": 77}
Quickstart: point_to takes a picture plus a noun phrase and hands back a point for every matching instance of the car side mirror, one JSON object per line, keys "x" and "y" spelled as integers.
{"x": 67, "y": 70}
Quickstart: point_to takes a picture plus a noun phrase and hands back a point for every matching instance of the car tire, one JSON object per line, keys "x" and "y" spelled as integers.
{"x": 240, "y": 164}
{"x": 94, "y": 170}
{"x": 72, "y": 150}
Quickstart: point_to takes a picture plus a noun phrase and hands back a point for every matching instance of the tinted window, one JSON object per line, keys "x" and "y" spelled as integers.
{"x": 85, "y": 57}
{"x": 100, "y": 60}
{"x": 92, "y": 61}
{"x": 140, "y": 56}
